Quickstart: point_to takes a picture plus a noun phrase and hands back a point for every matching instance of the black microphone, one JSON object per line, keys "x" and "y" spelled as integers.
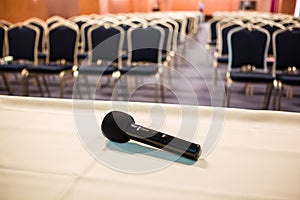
{"x": 120, "y": 127}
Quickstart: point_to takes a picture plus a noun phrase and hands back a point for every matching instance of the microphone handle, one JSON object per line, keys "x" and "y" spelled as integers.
{"x": 161, "y": 140}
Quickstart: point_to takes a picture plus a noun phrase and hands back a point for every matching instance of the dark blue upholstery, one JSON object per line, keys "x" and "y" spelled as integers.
{"x": 222, "y": 59}
{"x": 85, "y": 46}
{"x": 12, "y": 67}
{"x": 248, "y": 48}
{"x": 289, "y": 79}
{"x": 252, "y": 77}
{"x": 287, "y": 49}
{"x": 97, "y": 70}
{"x": 42, "y": 32}
{"x": 139, "y": 70}
{"x": 49, "y": 69}
{"x": 2, "y": 36}
{"x": 105, "y": 46}
{"x": 21, "y": 42}
{"x": 224, "y": 45}
{"x": 271, "y": 29}
{"x": 165, "y": 41}
{"x": 145, "y": 44}
{"x": 213, "y": 31}
{"x": 105, "y": 43}
{"x": 62, "y": 42}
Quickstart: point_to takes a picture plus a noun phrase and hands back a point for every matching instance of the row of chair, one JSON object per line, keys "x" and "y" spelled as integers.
{"x": 260, "y": 52}
{"x": 25, "y": 42}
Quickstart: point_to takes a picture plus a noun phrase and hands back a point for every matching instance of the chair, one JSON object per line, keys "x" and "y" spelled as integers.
{"x": 41, "y": 25}
{"x": 61, "y": 59}
{"x": 248, "y": 49}
{"x": 84, "y": 47}
{"x": 221, "y": 52}
{"x": 105, "y": 59}
{"x": 212, "y": 31}
{"x": 145, "y": 54}
{"x": 287, "y": 61}
{"x": 223, "y": 29}
{"x": 167, "y": 54}
{"x": 22, "y": 46}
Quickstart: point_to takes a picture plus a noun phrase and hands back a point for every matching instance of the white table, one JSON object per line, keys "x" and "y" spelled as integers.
{"x": 42, "y": 156}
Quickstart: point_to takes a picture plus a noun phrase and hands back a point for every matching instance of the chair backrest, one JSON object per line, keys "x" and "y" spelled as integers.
{"x": 126, "y": 26}
{"x": 175, "y": 33}
{"x": 3, "y": 40}
{"x": 286, "y": 48}
{"x": 23, "y": 42}
{"x": 223, "y": 30}
{"x": 105, "y": 43}
{"x": 168, "y": 31}
{"x": 248, "y": 46}
{"x": 182, "y": 23}
{"x": 271, "y": 28}
{"x": 41, "y": 25}
{"x": 84, "y": 35}
{"x": 62, "y": 43}
{"x": 212, "y": 31}
{"x": 145, "y": 44}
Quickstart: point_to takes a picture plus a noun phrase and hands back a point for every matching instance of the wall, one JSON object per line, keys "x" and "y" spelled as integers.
{"x": 64, "y": 8}
{"x": 287, "y": 6}
{"x": 18, "y": 10}
{"x": 89, "y": 6}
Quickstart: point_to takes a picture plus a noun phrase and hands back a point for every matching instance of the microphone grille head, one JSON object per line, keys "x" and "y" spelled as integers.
{"x": 114, "y": 126}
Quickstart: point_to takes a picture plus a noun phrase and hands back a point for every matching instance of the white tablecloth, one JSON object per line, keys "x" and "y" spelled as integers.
{"x": 42, "y": 156}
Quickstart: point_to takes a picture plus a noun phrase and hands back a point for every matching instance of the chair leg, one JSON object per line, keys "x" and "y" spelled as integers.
{"x": 47, "y": 86}
{"x": 62, "y": 84}
{"x": 267, "y": 96}
{"x": 228, "y": 84}
{"x": 162, "y": 89}
{"x": 227, "y": 94}
{"x": 25, "y": 77}
{"x": 87, "y": 86}
{"x": 280, "y": 88}
{"x": 39, "y": 85}
{"x": 7, "y": 85}
{"x": 214, "y": 77}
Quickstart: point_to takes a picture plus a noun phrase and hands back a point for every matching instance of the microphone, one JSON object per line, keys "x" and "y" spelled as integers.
{"x": 120, "y": 127}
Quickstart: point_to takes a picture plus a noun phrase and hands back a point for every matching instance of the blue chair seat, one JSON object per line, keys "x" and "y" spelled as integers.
{"x": 12, "y": 67}
{"x": 252, "y": 77}
{"x": 124, "y": 56}
{"x": 82, "y": 56}
{"x": 213, "y": 43}
{"x": 140, "y": 70}
{"x": 222, "y": 59}
{"x": 41, "y": 55}
{"x": 100, "y": 70}
{"x": 164, "y": 57}
{"x": 50, "y": 69}
{"x": 289, "y": 79}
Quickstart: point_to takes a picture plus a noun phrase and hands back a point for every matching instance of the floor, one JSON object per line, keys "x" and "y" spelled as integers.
{"x": 191, "y": 81}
